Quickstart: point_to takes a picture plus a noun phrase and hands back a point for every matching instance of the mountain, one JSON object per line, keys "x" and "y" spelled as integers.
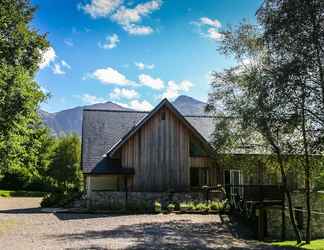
{"x": 70, "y": 120}
{"x": 189, "y": 106}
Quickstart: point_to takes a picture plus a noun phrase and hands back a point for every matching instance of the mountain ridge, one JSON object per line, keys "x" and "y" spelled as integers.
{"x": 70, "y": 120}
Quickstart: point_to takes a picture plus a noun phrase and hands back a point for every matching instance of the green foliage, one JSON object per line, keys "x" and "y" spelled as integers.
{"x": 187, "y": 206}
{"x": 314, "y": 245}
{"x": 20, "y": 45}
{"x": 59, "y": 199}
{"x": 64, "y": 171}
{"x": 171, "y": 207}
{"x": 216, "y": 206}
{"x": 202, "y": 206}
{"x": 157, "y": 207}
{"x": 24, "y": 144}
{"x": 20, "y": 193}
{"x": 319, "y": 181}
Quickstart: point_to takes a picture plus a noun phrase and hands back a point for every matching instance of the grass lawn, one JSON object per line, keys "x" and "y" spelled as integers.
{"x": 20, "y": 193}
{"x": 315, "y": 245}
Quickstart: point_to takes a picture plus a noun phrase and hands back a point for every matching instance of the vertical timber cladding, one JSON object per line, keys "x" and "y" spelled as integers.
{"x": 159, "y": 154}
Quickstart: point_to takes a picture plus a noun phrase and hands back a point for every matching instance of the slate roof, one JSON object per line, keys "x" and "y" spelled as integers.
{"x": 102, "y": 129}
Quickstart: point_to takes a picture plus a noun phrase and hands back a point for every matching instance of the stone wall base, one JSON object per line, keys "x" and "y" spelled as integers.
{"x": 142, "y": 200}
{"x": 274, "y": 217}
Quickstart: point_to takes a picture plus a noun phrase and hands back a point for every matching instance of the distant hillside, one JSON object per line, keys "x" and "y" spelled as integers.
{"x": 70, "y": 120}
{"x": 189, "y": 106}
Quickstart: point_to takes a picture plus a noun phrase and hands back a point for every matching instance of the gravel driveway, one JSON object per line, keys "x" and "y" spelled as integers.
{"x": 24, "y": 226}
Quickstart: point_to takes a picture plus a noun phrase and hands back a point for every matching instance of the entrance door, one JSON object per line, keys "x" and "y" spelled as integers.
{"x": 236, "y": 180}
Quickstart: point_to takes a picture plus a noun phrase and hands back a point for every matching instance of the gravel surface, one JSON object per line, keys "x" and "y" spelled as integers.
{"x": 24, "y": 226}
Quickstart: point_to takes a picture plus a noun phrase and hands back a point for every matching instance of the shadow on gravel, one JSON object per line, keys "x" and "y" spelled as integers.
{"x": 34, "y": 210}
{"x": 180, "y": 234}
{"x": 79, "y": 216}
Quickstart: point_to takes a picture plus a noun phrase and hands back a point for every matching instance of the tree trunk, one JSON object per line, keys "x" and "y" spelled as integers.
{"x": 290, "y": 205}
{"x": 277, "y": 150}
{"x": 306, "y": 169}
{"x": 317, "y": 43}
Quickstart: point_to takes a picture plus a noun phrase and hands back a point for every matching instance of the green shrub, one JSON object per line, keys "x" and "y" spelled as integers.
{"x": 157, "y": 207}
{"x": 201, "y": 206}
{"x": 59, "y": 199}
{"x": 216, "y": 206}
{"x": 187, "y": 206}
{"x": 171, "y": 207}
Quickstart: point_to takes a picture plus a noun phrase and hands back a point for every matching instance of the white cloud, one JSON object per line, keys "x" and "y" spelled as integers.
{"x": 173, "y": 90}
{"x": 142, "y": 66}
{"x": 209, "y": 28}
{"x": 111, "y": 42}
{"x": 48, "y": 56}
{"x": 100, "y": 8}
{"x": 210, "y": 22}
{"x": 110, "y": 76}
{"x": 134, "y": 29}
{"x": 91, "y": 99}
{"x": 213, "y": 34}
{"x": 118, "y": 93}
{"x": 149, "y": 81}
{"x": 69, "y": 42}
{"x": 65, "y": 64}
{"x": 141, "y": 105}
{"x": 57, "y": 69}
{"x": 127, "y": 16}
{"x": 137, "y": 105}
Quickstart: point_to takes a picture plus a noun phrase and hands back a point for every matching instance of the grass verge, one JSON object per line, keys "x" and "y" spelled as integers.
{"x": 20, "y": 193}
{"x": 315, "y": 245}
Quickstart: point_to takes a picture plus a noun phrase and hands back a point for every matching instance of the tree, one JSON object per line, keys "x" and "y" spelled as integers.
{"x": 294, "y": 33}
{"x": 65, "y": 169}
{"x": 20, "y": 55}
{"x": 247, "y": 93}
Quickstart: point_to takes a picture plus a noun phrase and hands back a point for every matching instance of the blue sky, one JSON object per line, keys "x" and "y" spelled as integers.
{"x": 132, "y": 52}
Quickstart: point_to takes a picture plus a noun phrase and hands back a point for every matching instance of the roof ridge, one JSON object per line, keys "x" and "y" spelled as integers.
{"x": 202, "y": 116}
{"x": 120, "y": 111}
{"x": 144, "y": 112}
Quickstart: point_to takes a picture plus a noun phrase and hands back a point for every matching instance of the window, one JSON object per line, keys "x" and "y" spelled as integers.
{"x": 196, "y": 150}
{"x": 163, "y": 116}
{"x": 198, "y": 177}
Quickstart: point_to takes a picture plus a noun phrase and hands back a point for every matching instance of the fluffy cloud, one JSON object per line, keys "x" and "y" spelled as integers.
{"x": 213, "y": 34}
{"x": 128, "y": 17}
{"x": 69, "y": 42}
{"x": 149, "y": 81}
{"x": 173, "y": 90}
{"x": 111, "y": 42}
{"x": 100, "y": 8}
{"x": 138, "y": 105}
{"x": 91, "y": 99}
{"x": 110, "y": 76}
{"x": 58, "y": 68}
{"x": 209, "y": 28}
{"x": 210, "y": 22}
{"x": 142, "y": 66}
{"x": 118, "y": 93}
{"x": 65, "y": 64}
{"x": 48, "y": 56}
{"x": 139, "y": 30}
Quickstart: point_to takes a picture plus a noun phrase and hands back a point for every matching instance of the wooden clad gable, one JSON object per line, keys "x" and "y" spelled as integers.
{"x": 159, "y": 153}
